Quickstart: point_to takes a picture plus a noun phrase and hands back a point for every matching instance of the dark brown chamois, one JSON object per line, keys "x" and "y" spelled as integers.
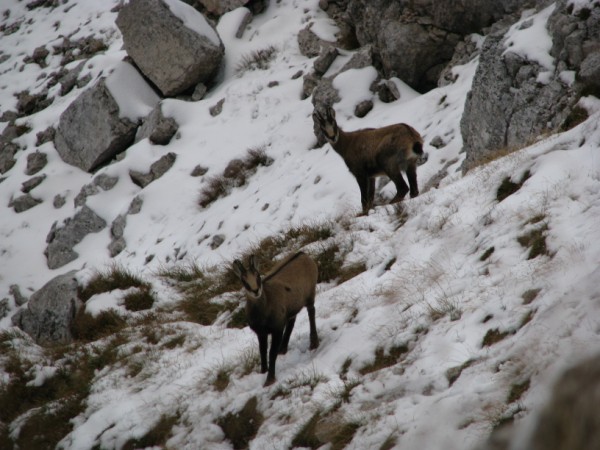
{"x": 372, "y": 152}
{"x": 273, "y": 301}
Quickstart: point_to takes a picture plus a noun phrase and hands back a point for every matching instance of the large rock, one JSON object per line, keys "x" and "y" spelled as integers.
{"x": 50, "y": 311}
{"x": 103, "y": 120}
{"x": 514, "y": 99}
{"x": 571, "y": 419}
{"x": 415, "y": 39}
{"x": 171, "y": 43}
{"x": 157, "y": 128}
{"x": 62, "y": 240}
{"x": 157, "y": 170}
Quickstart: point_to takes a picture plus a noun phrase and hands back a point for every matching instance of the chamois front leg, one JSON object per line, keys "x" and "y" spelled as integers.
{"x": 275, "y": 344}
{"x": 411, "y": 174}
{"x": 363, "y": 184}
{"x": 263, "y": 341}
{"x": 286, "y": 336}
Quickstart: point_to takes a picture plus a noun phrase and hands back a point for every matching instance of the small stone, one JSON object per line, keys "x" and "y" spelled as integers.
{"x": 32, "y": 183}
{"x": 217, "y": 241}
{"x": 217, "y": 109}
{"x": 199, "y": 170}
{"x": 437, "y": 142}
{"x": 23, "y": 203}
{"x": 363, "y": 108}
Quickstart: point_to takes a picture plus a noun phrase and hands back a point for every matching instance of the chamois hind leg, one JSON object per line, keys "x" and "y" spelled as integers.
{"x": 275, "y": 344}
{"x": 391, "y": 164}
{"x": 286, "y": 336}
{"x": 401, "y": 190}
{"x": 395, "y": 175}
{"x": 411, "y": 174}
{"x": 314, "y": 337}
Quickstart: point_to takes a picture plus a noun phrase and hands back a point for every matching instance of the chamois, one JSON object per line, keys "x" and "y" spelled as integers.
{"x": 273, "y": 301}
{"x": 372, "y": 152}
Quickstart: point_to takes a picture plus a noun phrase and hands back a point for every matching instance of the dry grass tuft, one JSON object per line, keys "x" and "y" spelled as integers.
{"x": 235, "y": 175}
{"x": 257, "y": 60}
{"x": 157, "y": 436}
{"x": 115, "y": 277}
{"x": 383, "y": 360}
{"x": 241, "y": 427}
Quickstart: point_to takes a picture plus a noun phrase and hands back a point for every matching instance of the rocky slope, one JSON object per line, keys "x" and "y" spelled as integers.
{"x": 149, "y": 162}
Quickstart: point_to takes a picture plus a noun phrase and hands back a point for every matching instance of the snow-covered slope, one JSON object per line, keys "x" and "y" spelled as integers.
{"x": 450, "y": 287}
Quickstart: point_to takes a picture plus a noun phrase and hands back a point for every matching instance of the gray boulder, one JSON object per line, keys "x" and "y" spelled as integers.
{"x": 309, "y": 43}
{"x": 571, "y": 419}
{"x": 117, "y": 241}
{"x": 568, "y": 421}
{"x": 171, "y": 43}
{"x": 62, "y": 240}
{"x": 415, "y": 39}
{"x": 157, "y": 170}
{"x": 91, "y": 132}
{"x": 157, "y": 128}
{"x": 19, "y": 298}
{"x": 101, "y": 181}
{"x": 509, "y": 106}
{"x": 216, "y": 8}
{"x": 50, "y": 312}
{"x": 36, "y": 161}
{"x": 102, "y": 121}
{"x": 24, "y": 202}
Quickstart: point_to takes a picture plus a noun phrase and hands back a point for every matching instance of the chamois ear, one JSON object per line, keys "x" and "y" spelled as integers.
{"x": 252, "y": 263}
{"x": 238, "y": 268}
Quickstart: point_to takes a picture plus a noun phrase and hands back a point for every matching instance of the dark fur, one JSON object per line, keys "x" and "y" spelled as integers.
{"x": 282, "y": 293}
{"x": 372, "y": 152}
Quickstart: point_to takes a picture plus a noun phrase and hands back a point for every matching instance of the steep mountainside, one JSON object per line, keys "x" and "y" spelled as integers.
{"x": 443, "y": 320}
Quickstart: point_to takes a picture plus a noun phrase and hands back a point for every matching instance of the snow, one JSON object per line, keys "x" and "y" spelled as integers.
{"x": 529, "y": 38}
{"x": 193, "y": 20}
{"x": 133, "y": 95}
{"x": 439, "y": 298}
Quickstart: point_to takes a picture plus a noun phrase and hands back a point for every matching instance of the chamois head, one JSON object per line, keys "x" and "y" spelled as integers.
{"x": 327, "y": 123}
{"x": 250, "y": 278}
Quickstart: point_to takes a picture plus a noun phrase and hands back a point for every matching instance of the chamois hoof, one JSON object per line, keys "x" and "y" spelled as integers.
{"x": 269, "y": 382}
{"x": 314, "y": 345}
{"x": 282, "y": 351}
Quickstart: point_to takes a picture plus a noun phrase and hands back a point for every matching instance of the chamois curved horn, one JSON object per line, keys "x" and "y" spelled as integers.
{"x": 273, "y": 301}
{"x": 371, "y": 152}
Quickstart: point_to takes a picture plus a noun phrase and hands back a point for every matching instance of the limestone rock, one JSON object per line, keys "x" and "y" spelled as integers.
{"x": 61, "y": 240}
{"x": 171, "y": 43}
{"x": 157, "y": 170}
{"x": 510, "y": 105}
{"x": 50, "y": 311}
{"x": 35, "y": 162}
{"x": 157, "y": 128}
{"x": 24, "y": 202}
{"x": 101, "y": 122}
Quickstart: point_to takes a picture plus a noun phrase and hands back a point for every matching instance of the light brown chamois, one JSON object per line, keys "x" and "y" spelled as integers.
{"x": 372, "y": 152}
{"x": 273, "y": 301}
